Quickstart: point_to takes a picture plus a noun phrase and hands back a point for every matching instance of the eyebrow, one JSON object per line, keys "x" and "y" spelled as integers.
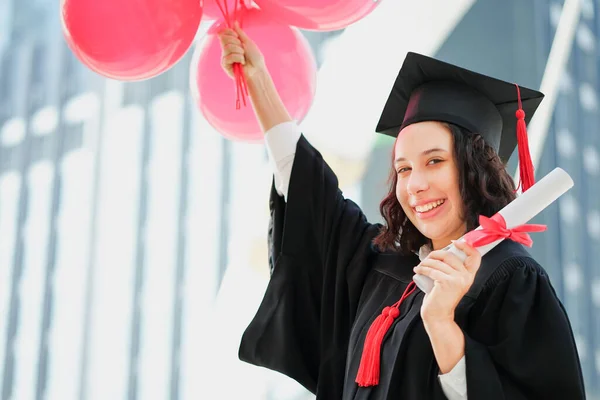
{"x": 426, "y": 152}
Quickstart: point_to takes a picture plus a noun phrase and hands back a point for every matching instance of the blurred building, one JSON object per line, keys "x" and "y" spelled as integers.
{"x": 132, "y": 236}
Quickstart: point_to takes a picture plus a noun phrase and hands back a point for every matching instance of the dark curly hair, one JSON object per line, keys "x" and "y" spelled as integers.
{"x": 485, "y": 188}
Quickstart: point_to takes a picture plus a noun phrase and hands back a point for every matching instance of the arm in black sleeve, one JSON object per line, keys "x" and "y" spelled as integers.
{"x": 520, "y": 344}
{"x": 302, "y": 326}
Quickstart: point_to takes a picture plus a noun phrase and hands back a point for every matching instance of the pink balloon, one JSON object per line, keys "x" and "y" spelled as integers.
{"x": 130, "y": 40}
{"x": 290, "y": 61}
{"x": 318, "y": 15}
{"x": 213, "y": 12}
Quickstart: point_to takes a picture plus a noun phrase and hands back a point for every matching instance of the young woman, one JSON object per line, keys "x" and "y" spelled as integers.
{"x": 341, "y": 314}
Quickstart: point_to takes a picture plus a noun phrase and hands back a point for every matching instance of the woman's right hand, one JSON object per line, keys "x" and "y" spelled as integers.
{"x": 237, "y": 47}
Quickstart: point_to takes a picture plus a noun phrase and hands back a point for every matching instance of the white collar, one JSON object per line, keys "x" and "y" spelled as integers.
{"x": 424, "y": 251}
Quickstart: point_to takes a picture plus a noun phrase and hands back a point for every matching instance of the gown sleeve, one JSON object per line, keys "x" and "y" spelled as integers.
{"x": 520, "y": 345}
{"x": 302, "y": 326}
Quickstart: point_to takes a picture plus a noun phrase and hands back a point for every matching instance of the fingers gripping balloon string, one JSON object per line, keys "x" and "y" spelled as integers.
{"x": 242, "y": 88}
{"x": 225, "y": 11}
{"x": 240, "y": 79}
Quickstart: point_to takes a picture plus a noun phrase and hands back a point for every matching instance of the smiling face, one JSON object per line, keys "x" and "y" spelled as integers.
{"x": 428, "y": 185}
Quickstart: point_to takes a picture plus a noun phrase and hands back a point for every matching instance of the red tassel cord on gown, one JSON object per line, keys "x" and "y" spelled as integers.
{"x": 525, "y": 164}
{"x": 370, "y": 362}
{"x": 240, "y": 79}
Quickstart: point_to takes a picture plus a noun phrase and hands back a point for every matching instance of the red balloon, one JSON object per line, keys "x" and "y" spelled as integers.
{"x": 130, "y": 40}
{"x": 213, "y": 12}
{"x": 318, "y": 15}
{"x": 290, "y": 61}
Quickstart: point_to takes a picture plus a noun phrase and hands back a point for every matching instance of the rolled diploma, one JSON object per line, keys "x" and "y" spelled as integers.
{"x": 518, "y": 212}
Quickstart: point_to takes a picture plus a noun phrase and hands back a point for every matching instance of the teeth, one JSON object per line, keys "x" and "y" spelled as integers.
{"x": 430, "y": 206}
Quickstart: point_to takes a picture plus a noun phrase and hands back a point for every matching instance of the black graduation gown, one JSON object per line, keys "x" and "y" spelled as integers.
{"x": 328, "y": 284}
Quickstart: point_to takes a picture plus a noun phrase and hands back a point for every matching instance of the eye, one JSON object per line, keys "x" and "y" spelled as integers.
{"x": 402, "y": 169}
{"x": 434, "y": 161}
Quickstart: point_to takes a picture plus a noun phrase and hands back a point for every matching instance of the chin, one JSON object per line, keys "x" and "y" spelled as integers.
{"x": 433, "y": 233}
{"x": 430, "y": 236}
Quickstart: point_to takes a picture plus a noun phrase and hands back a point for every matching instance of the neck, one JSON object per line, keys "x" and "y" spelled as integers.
{"x": 440, "y": 244}
{"x": 437, "y": 244}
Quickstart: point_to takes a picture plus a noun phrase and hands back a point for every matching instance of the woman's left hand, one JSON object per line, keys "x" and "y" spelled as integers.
{"x": 452, "y": 280}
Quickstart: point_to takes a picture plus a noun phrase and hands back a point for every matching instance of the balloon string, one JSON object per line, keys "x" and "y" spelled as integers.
{"x": 240, "y": 79}
{"x": 244, "y": 84}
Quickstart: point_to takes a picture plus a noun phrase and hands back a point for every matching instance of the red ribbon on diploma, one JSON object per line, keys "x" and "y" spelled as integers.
{"x": 494, "y": 228}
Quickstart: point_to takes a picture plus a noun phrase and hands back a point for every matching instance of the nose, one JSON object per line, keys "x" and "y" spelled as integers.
{"x": 417, "y": 182}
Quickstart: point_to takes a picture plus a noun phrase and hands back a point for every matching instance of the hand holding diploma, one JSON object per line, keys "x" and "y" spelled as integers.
{"x": 509, "y": 222}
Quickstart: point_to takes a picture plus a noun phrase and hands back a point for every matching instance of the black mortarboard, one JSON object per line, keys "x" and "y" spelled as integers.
{"x": 427, "y": 89}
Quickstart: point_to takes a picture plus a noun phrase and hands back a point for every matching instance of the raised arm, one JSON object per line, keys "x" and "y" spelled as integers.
{"x": 281, "y": 132}
{"x": 267, "y": 104}
{"x": 319, "y": 244}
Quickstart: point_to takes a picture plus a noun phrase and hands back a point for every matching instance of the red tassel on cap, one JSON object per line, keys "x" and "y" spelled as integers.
{"x": 370, "y": 362}
{"x": 525, "y": 164}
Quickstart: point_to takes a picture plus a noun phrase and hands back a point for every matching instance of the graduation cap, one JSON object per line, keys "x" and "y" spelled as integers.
{"x": 427, "y": 89}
